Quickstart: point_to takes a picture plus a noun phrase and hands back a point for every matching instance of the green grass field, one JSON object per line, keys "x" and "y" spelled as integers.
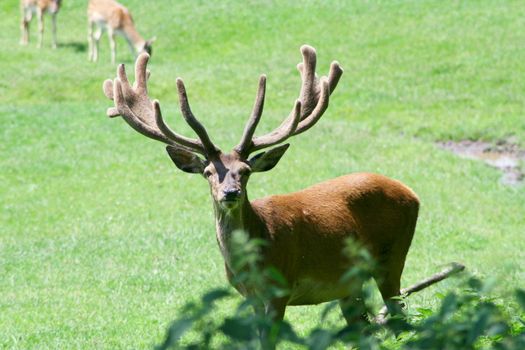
{"x": 102, "y": 239}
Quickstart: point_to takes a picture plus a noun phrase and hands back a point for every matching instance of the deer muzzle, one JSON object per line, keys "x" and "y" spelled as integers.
{"x": 231, "y": 195}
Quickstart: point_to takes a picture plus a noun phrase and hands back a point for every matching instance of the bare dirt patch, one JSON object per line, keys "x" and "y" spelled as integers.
{"x": 504, "y": 155}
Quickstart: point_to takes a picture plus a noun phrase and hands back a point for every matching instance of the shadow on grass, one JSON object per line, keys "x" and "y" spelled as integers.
{"x": 73, "y": 45}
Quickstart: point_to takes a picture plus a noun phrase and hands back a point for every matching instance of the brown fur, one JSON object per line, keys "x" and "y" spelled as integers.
{"x": 40, "y": 7}
{"x": 306, "y": 231}
{"x": 116, "y": 19}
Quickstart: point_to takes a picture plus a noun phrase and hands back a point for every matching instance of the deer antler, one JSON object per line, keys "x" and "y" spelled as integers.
{"x": 312, "y": 103}
{"x": 134, "y": 105}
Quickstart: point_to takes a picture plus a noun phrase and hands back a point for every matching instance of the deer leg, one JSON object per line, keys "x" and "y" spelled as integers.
{"x": 389, "y": 286}
{"x": 112, "y": 45}
{"x": 90, "y": 38}
{"x": 96, "y": 39}
{"x": 26, "y": 19}
{"x": 275, "y": 310}
{"x": 54, "y": 22}
{"x": 40, "y": 18}
{"x": 353, "y": 309}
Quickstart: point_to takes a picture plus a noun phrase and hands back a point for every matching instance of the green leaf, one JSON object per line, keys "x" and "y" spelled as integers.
{"x": 215, "y": 295}
{"x": 479, "y": 326}
{"x": 424, "y": 312}
{"x": 276, "y": 276}
{"x": 319, "y": 339}
{"x": 175, "y": 332}
{"x": 239, "y": 329}
{"x": 286, "y": 332}
{"x": 520, "y": 295}
{"x": 449, "y": 305}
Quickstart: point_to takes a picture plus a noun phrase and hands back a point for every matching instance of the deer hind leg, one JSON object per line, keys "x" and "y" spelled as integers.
{"x": 40, "y": 18}
{"x": 388, "y": 278}
{"x": 392, "y": 263}
{"x": 389, "y": 287}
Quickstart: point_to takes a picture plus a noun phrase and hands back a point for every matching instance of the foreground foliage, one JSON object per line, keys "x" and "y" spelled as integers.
{"x": 465, "y": 320}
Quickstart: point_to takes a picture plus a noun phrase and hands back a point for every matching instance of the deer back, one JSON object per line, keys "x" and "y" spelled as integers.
{"x": 306, "y": 230}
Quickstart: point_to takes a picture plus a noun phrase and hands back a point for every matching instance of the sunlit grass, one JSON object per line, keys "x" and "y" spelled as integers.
{"x": 102, "y": 239}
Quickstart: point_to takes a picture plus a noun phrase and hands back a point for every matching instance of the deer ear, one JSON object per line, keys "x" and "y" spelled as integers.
{"x": 185, "y": 160}
{"x": 267, "y": 160}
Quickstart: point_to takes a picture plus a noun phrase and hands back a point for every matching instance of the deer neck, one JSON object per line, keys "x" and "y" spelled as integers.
{"x": 134, "y": 39}
{"x": 227, "y": 221}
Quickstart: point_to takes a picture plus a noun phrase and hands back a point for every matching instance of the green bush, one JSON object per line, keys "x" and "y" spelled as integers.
{"x": 466, "y": 320}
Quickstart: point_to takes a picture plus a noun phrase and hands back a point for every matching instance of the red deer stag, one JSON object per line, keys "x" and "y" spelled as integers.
{"x": 305, "y": 231}
{"x": 30, "y": 7}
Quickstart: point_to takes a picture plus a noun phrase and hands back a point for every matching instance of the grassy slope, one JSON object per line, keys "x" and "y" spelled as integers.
{"x": 102, "y": 240}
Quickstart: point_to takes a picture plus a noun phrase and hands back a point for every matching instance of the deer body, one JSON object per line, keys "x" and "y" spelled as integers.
{"x": 111, "y": 16}
{"x": 39, "y": 7}
{"x": 305, "y": 231}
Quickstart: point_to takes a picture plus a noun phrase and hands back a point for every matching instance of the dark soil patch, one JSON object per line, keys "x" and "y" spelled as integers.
{"x": 504, "y": 155}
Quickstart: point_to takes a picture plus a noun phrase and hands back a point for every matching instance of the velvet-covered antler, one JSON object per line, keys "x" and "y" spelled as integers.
{"x": 312, "y": 103}
{"x": 134, "y": 105}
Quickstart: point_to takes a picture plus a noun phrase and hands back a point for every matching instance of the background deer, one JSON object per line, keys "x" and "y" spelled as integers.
{"x": 30, "y": 7}
{"x": 116, "y": 19}
{"x": 305, "y": 231}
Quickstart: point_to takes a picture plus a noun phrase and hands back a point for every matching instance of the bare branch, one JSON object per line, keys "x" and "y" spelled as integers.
{"x": 440, "y": 276}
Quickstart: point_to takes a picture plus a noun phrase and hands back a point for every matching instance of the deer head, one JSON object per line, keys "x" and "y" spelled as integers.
{"x": 148, "y": 46}
{"x": 54, "y": 6}
{"x": 227, "y": 173}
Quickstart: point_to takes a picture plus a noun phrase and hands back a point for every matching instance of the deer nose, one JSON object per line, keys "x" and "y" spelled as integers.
{"x": 231, "y": 194}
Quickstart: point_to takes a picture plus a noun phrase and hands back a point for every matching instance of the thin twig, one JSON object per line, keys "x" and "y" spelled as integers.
{"x": 449, "y": 271}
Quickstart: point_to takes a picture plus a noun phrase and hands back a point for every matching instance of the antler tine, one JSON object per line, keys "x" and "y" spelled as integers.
{"x": 318, "y": 111}
{"x": 107, "y": 87}
{"x": 141, "y": 74}
{"x": 296, "y": 126}
{"x": 309, "y": 79}
{"x": 199, "y": 129}
{"x": 255, "y": 117}
{"x": 132, "y": 103}
{"x": 336, "y": 71}
{"x": 131, "y": 118}
{"x": 281, "y": 133}
{"x": 191, "y": 144}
